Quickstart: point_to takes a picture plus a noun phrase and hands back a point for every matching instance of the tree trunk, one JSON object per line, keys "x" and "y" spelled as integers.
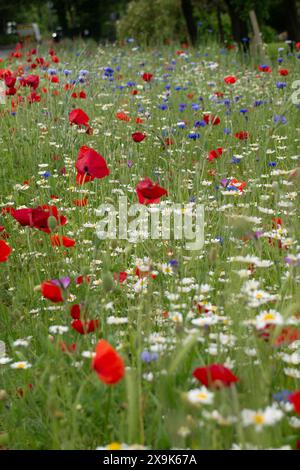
{"x": 292, "y": 20}
{"x": 239, "y": 26}
{"x": 187, "y": 10}
{"x": 220, "y": 24}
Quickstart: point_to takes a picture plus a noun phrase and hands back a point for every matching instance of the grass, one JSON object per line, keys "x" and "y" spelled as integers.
{"x": 66, "y": 406}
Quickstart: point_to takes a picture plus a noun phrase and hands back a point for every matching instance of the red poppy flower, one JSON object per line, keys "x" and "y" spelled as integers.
{"x": 31, "y": 80}
{"x": 265, "y": 68}
{"x": 38, "y": 217}
{"x": 294, "y": 398}
{"x": 75, "y": 311}
{"x": 297, "y": 45}
{"x": 149, "y": 192}
{"x": 108, "y": 364}
{"x": 121, "y": 277}
{"x": 5, "y": 251}
{"x": 51, "y": 291}
{"x": 79, "y": 117}
{"x": 242, "y": 135}
{"x": 287, "y": 336}
{"x": 58, "y": 240}
{"x": 215, "y": 375}
{"x": 34, "y": 98}
{"x": 214, "y": 154}
{"x": 283, "y": 72}
{"x": 139, "y": 120}
{"x": 54, "y": 79}
{"x": 68, "y": 347}
{"x": 122, "y": 116}
{"x": 230, "y": 79}
{"x": 90, "y": 164}
{"x": 11, "y": 91}
{"x": 82, "y": 95}
{"x": 211, "y": 119}
{"x": 138, "y": 136}
{"x": 10, "y": 81}
{"x": 81, "y": 279}
{"x": 85, "y": 327}
{"x": 81, "y": 202}
{"x": 147, "y": 77}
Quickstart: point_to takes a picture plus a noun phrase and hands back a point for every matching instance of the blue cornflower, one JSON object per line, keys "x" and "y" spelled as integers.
{"x": 194, "y": 135}
{"x": 280, "y": 85}
{"x": 235, "y": 160}
{"x": 148, "y": 356}
{"x": 199, "y": 124}
{"x": 282, "y": 396}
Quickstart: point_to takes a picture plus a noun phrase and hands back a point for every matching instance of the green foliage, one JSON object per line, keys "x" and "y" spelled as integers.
{"x": 152, "y": 22}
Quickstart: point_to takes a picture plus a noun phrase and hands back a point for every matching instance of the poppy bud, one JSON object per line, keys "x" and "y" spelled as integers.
{"x": 108, "y": 281}
{"x": 3, "y": 395}
{"x": 52, "y": 223}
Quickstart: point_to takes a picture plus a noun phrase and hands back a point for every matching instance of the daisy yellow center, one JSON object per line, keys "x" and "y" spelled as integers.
{"x": 202, "y": 396}
{"x": 258, "y": 419}
{"x": 21, "y": 366}
{"x": 114, "y": 446}
{"x": 269, "y": 316}
{"x": 258, "y": 296}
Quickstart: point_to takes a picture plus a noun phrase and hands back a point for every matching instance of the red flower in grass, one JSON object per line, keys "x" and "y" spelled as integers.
{"x": 283, "y": 72}
{"x": 211, "y": 119}
{"x": 242, "y": 135}
{"x": 90, "y": 165}
{"x": 10, "y": 81}
{"x": 75, "y": 311}
{"x": 51, "y": 291}
{"x": 85, "y": 327}
{"x": 122, "y": 116}
{"x": 58, "y": 240}
{"x": 147, "y": 77}
{"x": 68, "y": 348}
{"x": 82, "y": 279}
{"x": 294, "y": 398}
{"x": 34, "y": 98}
{"x": 5, "y": 251}
{"x": 108, "y": 364}
{"x": 11, "y": 91}
{"x": 297, "y": 45}
{"x": 120, "y": 277}
{"x": 38, "y": 217}
{"x": 230, "y": 79}
{"x": 138, "y": 136}
{"x": 265, "y": 69}
{"x": 31, "y": 80}
{"x": 149, "y": 192}
{"x": 286, "y": 336}
{"x": 214, "y": 154}
{"x": 81, "y": 202}
{"x": 79, "y": 117}
{"x": 215, "y": 375}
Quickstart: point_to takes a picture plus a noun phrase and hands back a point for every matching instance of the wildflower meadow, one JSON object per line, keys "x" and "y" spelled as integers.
{"x": 117, "y": 333}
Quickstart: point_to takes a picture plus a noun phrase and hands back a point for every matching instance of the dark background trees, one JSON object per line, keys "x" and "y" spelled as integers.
{"x": 226, "y": 19}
